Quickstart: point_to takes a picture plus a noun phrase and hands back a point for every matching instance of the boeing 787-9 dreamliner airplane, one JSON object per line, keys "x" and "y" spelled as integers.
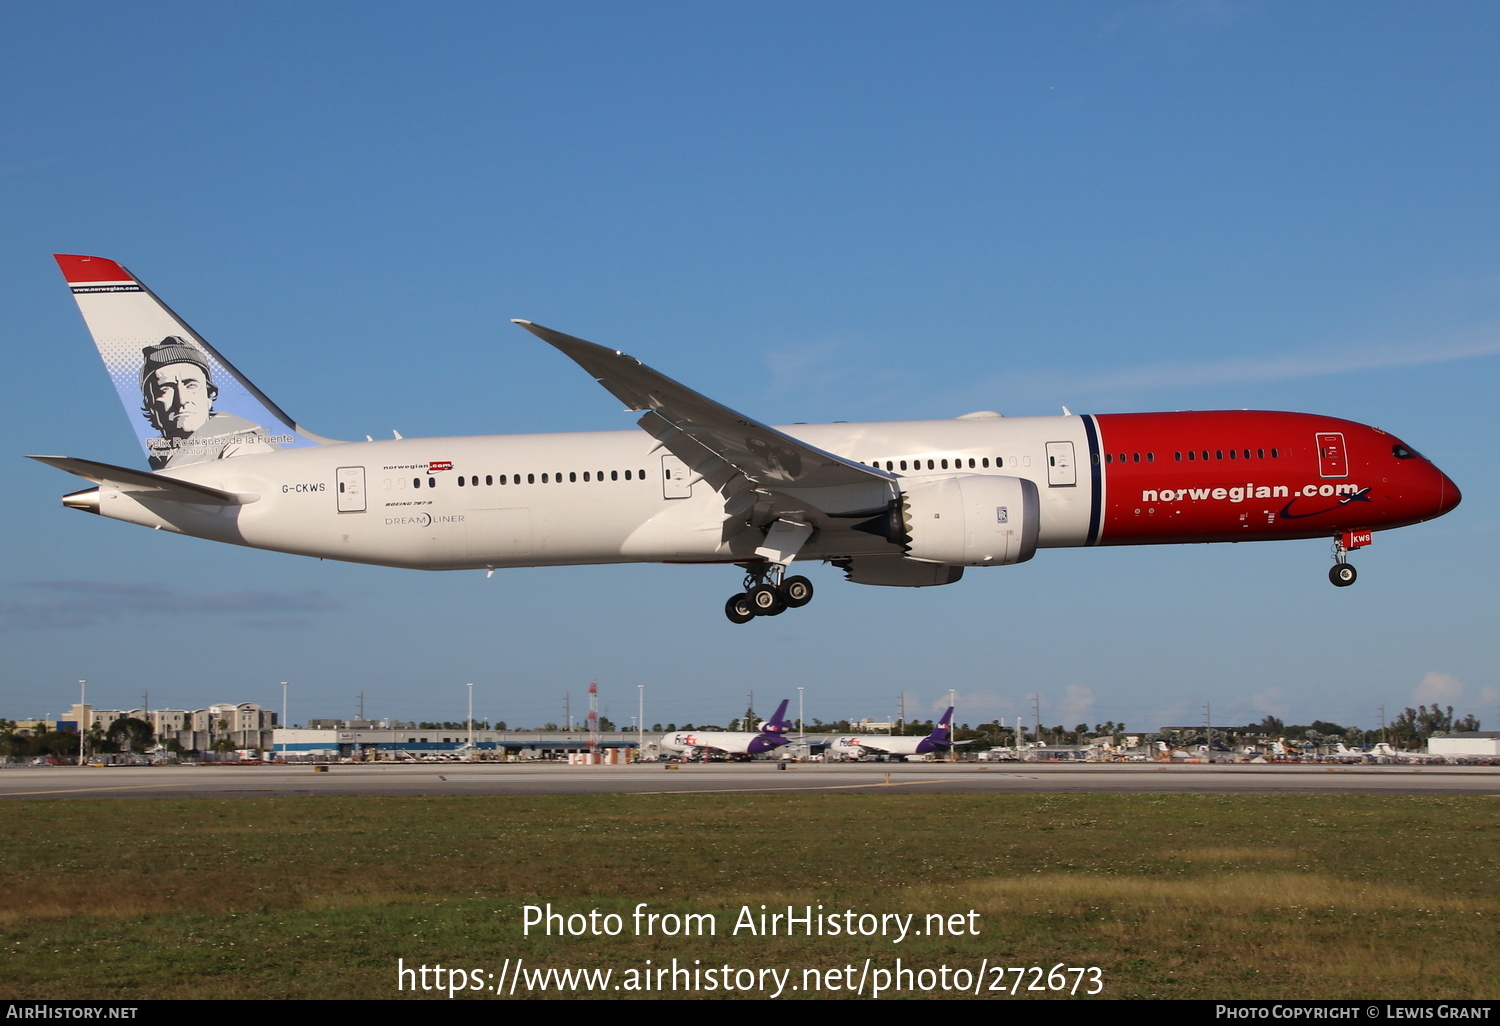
{"x": 904, "y": 503}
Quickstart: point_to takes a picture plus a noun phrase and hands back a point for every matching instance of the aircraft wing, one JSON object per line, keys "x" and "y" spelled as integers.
{"x": 144, "y": 483}
{"x": 687, "y": 423}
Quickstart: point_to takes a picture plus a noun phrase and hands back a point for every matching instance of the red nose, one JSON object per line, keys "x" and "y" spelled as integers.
{"x": 1448, "y": 494}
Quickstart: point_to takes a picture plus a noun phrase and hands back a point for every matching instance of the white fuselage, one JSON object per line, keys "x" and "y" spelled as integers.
{"x": 849, "y": 747}
{"x": 587, "y": 497}
{"x": 730, "y": 742}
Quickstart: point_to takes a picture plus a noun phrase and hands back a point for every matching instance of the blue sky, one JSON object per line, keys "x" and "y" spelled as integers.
{"x": 828, "y": 211}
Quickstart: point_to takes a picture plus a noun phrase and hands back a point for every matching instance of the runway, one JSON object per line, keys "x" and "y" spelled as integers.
{"x": 264, "y": 781}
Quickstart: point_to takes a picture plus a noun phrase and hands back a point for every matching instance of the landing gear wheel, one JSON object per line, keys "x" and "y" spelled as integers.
{"x": 1342, "y": 575}
{"x": 796, "y": 591}
{"x": 738, "y": 609}
{"x": 765, "y": 600}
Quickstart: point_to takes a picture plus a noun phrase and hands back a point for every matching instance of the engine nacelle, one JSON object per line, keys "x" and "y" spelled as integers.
{"x": 970, "y": 519}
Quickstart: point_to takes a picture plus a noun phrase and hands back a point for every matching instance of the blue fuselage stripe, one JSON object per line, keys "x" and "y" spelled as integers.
{"x": 1096, "y": 476}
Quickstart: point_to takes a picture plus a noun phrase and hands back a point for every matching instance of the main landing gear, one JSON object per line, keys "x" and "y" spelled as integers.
{"x": 763, "y": 597}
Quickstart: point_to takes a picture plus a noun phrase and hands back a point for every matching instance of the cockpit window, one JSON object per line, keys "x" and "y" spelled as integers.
{"x": 1401, "y": 452}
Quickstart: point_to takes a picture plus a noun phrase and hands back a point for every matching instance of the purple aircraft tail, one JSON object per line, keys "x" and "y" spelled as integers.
{"x": 940, "y": 737}
{"x": 773, "y": 731}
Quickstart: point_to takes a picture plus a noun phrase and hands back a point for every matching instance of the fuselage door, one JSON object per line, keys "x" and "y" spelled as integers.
{"x": 351, "y": 485}
{"x": 1332, "y": 460}
{"x": 1060, "y": 470}
{"x": 674, "y": 479}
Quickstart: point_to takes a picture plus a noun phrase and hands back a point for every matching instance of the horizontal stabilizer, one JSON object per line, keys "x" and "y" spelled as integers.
{"x": 142, "y": 483}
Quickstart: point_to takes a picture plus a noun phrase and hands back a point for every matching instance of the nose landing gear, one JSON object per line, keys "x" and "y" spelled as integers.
{"x": 1342, "y": 574}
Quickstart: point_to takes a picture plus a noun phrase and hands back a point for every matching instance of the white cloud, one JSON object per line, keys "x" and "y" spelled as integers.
{"x": 1272, "y": 701}
{"x": 1194, "y": 374}
{"x": 1077, "y": 705}
{"x": 1438, "y": 689}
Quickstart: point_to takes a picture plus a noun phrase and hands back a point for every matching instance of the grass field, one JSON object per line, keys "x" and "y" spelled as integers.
{"x": 1171, "y": 896}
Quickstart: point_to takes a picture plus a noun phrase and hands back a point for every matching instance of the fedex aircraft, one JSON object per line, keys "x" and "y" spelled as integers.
{"x": 904, "y": 504}
{"x": 772, "y": 735}
{"x": 941, "y": 739}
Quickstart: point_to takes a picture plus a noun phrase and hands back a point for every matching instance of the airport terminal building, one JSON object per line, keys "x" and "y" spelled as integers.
{"x": 375, "y": 742}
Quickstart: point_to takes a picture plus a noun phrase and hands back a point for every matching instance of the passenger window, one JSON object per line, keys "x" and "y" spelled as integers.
{"x": 416, "y": 482}
{"x": 1150, "y": 457}
{"x": 460, "y": 480}
{"x": 573, "y": 476}
{"x": 489, "y": 479}
{"x": 432, "y": 482}
{"x": 903, "y": 464}
{"x": 930, "y": 466}
{"x": 531, "y": 478}
{"x": 614, "y": 475}
{"x": 986, "y": 461}
{"x": 1231, "y": 454}
{"x": 1177, "y": 456}
{"x": 945, "y": 464}
{"x": 627, "y": 475}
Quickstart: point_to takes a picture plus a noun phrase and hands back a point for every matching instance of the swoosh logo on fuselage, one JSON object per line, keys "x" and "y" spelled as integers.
{"x": 1363, "y": 495}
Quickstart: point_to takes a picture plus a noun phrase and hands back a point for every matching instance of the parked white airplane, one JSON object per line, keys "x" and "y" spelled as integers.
{"x": 939, "y": 740}
{"x": 772, "y": 735}
{"x": 907, "y": 504}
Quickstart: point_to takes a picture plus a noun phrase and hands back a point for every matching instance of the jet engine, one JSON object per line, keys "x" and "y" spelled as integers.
{"x": 969, "y": 519}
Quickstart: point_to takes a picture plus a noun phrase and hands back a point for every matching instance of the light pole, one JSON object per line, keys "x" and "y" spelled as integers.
{"x": 799, "y": 712}
{"x": 82, "y": 715}
{"x": 283, "y": 705}
{"x": 953, "y": 701}
{"x": 470, "y": 754}
{"x": 640, "y": 722}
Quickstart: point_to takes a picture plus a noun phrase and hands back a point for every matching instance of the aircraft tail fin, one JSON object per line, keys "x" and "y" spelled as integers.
{"x": 778, "y": 723}
{"x": 188, "y": 404}
{"x": 941, "y": 736}
{"x": 772, "y": 732}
